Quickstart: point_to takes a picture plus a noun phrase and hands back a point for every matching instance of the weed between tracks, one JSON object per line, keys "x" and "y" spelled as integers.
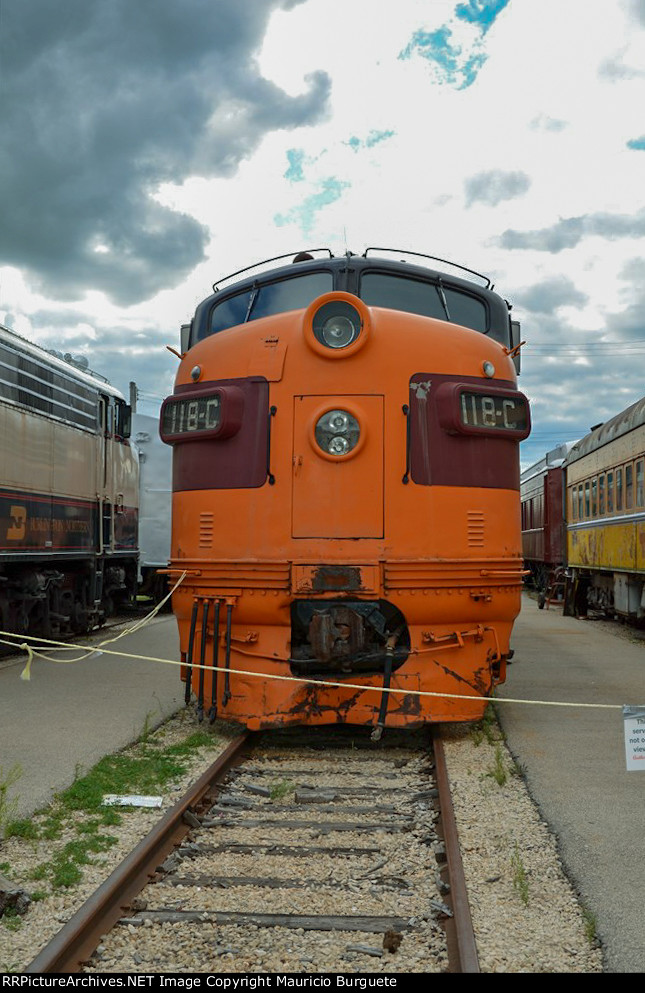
{"x": 74, "y": 830}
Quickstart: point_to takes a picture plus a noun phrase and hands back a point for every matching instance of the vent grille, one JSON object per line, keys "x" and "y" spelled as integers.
{"x": 475, "y": 527}
{"x": 206, "y": 528}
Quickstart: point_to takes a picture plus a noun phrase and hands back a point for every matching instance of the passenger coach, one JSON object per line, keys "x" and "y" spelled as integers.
{"x": 68, "y": 494}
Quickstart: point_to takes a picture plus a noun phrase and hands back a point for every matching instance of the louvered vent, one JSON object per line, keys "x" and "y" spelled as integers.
{"x": 206, "y": 530}
{"x": 475, "y": 528}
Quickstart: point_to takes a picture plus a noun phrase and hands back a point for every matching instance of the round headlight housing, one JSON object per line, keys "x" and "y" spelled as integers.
{"x": 337, "y": 324}
{"x": 337, "y": 432}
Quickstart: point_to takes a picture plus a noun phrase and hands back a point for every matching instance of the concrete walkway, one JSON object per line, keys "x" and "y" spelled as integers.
{"x": 68, "y": 716}
{"x": 575, "y": 765}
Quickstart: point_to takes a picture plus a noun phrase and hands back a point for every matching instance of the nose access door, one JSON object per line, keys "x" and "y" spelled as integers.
{"x": 338, "y": 469}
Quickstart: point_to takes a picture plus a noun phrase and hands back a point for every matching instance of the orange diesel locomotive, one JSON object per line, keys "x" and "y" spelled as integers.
{"x": 346, "y": 492}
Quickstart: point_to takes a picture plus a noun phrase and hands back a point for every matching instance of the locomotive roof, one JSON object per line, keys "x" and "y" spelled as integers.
{"x": 628, "y": 419}
{"x": 340, "y": 262}
{"x": 38, "y": 354}
{"x": 347, "y": 270}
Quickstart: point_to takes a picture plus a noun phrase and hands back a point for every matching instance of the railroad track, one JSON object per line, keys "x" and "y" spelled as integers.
{"x": 294, "y": 852}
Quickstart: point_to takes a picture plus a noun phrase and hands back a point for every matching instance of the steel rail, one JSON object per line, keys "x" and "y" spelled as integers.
{"x": 73, "y": 945}
{"x": 462, "y": 948}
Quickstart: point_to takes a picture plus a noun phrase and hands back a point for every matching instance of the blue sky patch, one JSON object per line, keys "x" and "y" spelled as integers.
{"x": 373, "y": 138}
{"x": 296, "y": 158}
{"x": 456, "y": 50}
{"x": 638, "y": 144}
{"x": 304, "y": 214}
{"x": 480, "y": 12}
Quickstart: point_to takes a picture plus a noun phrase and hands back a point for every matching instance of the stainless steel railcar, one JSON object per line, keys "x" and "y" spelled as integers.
{"x": 155, "y": 495}
{"x": 68, "y": 493}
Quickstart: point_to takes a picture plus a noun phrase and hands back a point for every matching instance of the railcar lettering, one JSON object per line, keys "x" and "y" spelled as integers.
{"x": 16, "y": 530}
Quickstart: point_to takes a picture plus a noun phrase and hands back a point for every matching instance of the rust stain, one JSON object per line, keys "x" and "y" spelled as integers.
{"x": 336, "y": 577}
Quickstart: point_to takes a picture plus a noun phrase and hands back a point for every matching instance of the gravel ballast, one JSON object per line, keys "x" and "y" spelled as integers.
{"x": 525, "y": 912}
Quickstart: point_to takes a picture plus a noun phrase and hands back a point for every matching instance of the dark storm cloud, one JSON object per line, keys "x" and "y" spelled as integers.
{"x": 568, "y": 232}
{"x": 638, "y": 10}
{"x": 545, "y": 297}
{"x": 494, "y": 186}
{"x": 105, "y": 100}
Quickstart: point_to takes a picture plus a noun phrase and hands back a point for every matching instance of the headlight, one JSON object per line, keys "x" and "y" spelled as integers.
{"x": 337, "y": 324}
{"x": 337, "y": 432}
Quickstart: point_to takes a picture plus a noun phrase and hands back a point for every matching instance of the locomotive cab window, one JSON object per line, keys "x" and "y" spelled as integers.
{"x": 414, "y": 296}
{"x": 267, "y": 299}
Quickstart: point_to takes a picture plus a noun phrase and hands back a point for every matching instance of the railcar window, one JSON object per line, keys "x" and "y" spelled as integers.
{"x": 601, "y": 496}
{"x": 574, "y": 503}
{"x": 45, "y": 390}
{"x": 271, "y": 298}
{"x": 416, "y": 296}
{"x": 619, "y": 489}
{"x": 610, "y": 492}
{"x": 594, "y": 497}
{"x": 639, "y": 483}
{"x": 587, "y": 500}
{"x": 580, "y": 502}
{"x": 629, "y": 487}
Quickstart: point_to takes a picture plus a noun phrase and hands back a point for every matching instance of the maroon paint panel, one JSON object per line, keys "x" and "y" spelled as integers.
{"x": 31, "y": 522}
{"x": 126, "y": 527}
{"x": 233, "y": 462}
{"x": 441, "y": 458}
{"x": 554, "y": 517}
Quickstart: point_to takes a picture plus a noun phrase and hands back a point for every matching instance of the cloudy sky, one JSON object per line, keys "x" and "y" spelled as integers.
{"x": 150, "y": 147}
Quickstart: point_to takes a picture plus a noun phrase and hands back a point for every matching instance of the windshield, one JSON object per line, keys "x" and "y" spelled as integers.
{"x": 416, "y": 296}
{"x": 270, "y": 298}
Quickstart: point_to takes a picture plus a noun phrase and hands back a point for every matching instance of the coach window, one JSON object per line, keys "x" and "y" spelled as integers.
{"x": 574, "y": 503}
{"x": 639, "y": 483}
{"x": 594, "y": 497}
{"x": 610, "y": 492}
{"x": 629, "y": 486}
{"x": 601, "y": 496}
{"x": 587, "y": 500}
{"x": 580, "y": 503}
{"x": 619, "y": 489}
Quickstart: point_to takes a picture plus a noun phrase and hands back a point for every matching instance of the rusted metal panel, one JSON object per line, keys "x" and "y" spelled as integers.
{"x": 335, "y": 578}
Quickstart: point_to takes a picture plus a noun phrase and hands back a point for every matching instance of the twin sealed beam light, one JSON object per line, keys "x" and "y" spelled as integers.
{"x": 337, "y": 432}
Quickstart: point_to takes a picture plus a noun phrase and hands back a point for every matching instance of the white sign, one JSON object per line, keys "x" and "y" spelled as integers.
{"x": 131, "y": 800}
{"x": 634, "y": 718}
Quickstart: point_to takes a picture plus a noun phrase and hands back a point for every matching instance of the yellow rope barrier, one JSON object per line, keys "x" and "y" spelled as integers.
{"x": 33, "y": 652}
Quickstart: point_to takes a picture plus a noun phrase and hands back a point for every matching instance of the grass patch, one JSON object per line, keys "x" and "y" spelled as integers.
{"x": 487, "y": 729}
{"x": 282, "y": 789}
{"x": 11, "y": 919}
{"x": 78, "y": 811}
{"x": 8, "y": 778}
{"x": 498, "y": 770}
{"x": 589, "y": 923}
{"x": 21, "y": 828}
{"x": 520, "y": 878}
